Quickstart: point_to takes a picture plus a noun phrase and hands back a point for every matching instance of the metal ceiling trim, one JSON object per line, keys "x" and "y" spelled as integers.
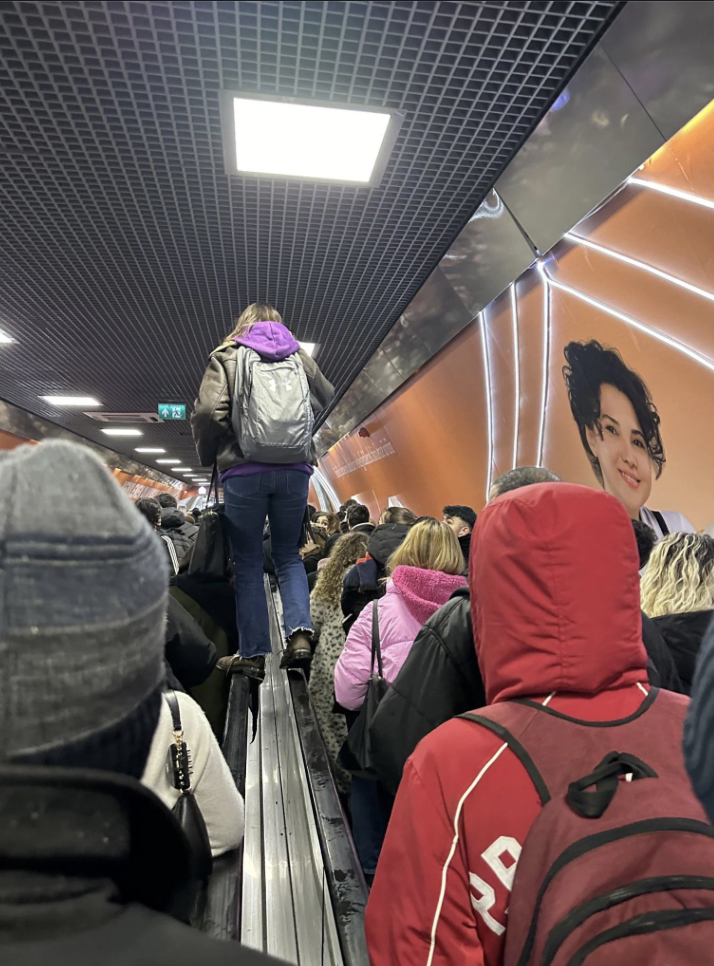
{"x": 33, "y": 428}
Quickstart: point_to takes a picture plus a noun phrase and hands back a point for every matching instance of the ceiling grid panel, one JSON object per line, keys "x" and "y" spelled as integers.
{"x": 129, "y": 250}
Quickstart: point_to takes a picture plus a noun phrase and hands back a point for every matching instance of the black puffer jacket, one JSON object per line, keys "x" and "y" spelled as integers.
{"x": 363, "y": 583}
{"x": 683, "y": 634}
{"x": 439, "y": 679}
{"x": 175, "y": 526}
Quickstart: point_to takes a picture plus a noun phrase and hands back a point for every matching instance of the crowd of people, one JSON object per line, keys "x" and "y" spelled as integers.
{"x": 471, "y": 678}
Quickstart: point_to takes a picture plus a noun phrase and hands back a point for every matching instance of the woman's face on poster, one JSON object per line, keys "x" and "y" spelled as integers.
{"x": 621, "y": 450}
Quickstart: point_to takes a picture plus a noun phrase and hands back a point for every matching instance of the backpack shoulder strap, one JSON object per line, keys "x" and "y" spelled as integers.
{"x": 659, "y": 517}
{"x": 172, "y": 552}
{"x": 518, "y": 750}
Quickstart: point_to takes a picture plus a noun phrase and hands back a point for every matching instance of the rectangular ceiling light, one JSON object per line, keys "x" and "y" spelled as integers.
{"x": 166, "y": 462}
{"x": 314, "y": 141}
{"x": 71, "y": 400}
{"x": 308, "y": 347}
{"x": 180, "y": 469}
{"x": 150, "y": 449}
{"x": 115, "y": 431}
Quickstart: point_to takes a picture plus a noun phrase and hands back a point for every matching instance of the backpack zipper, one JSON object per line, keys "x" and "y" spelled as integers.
{"x": 583, "y": 846}
{"x": 664, "y": 883}
{"x": 641, "y": 925}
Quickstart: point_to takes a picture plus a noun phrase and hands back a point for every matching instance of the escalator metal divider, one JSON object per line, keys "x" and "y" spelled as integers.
{"x": 252, "y": 931}
{"x": 345, "y": 880}
{"x": 304, "y": 851}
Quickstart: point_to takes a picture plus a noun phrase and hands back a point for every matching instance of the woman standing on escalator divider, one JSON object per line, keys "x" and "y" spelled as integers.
{"x": 254, "y": 418}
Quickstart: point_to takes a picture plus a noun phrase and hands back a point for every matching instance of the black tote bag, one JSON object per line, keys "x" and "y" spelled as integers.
{"x": 356, "y": 753}
{"x": 210, "y": 558}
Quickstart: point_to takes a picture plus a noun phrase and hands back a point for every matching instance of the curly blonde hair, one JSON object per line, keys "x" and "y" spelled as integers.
{"x": 431, "y": 545}
{"x": 680, "y": 576}
{"x": 346, "y": 552}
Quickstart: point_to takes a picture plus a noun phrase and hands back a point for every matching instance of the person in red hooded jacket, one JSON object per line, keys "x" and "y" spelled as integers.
{"x": 556, "y": 616}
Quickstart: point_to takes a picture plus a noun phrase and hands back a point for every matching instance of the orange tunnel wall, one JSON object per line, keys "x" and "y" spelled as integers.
{"x": 437, "y": 440}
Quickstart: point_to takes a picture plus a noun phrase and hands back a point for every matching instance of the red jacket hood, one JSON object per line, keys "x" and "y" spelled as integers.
{"x": 555, "y": 593}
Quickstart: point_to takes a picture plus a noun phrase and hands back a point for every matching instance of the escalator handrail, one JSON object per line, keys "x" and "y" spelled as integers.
{"x": 345, "y": 880}
{"x": 218, "y": 909}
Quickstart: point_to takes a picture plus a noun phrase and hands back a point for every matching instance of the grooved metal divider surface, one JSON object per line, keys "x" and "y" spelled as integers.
{"x": 127, "y": 250}
{"x": 286, "y": 908}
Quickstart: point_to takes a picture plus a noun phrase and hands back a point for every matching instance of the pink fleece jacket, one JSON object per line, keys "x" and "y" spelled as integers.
{"x": 412, "y": 596}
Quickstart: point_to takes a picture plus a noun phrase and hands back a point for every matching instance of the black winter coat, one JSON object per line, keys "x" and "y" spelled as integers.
{"x": 683, "y": 634}
{"x": 190, "y": 654}
{"x": 183, "y": 534}
{"x": 439, "y": 679}
{"x": 661, "y": 669}
{"x": 109, "y": 873}
{"x": 364, "y": 582}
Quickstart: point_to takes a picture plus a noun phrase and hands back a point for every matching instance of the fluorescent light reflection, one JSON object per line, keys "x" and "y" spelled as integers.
{"x": 322, "y": 483}
{"x": 640, "y": 326}
{"x": 71, "y": 400}
{"x": 516, "y": 370}
{"x": 672, "y": 192}
{"x": 5, "y": 339}
{"x": 487, "y": 373}
{"x": 308, "y": 347}
{"x": 546, "y": 357}
{"x": 150, "y": 449}
{"x": 167, "y": 462}
{"x": 627, "y": 260}
{"x": 122, "y": 432}
{"x": 306, "y": 141}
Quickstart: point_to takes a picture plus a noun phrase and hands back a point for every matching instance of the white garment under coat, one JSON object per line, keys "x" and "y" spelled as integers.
{"x": 211, "y": 781}
{"x": 676, "y": 522}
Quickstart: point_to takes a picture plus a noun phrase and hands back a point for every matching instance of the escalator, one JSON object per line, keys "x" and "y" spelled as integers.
{"x": 295, "y": 890}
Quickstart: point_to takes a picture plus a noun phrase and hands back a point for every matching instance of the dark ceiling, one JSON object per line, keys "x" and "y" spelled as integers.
{"x": 127, "y": 250}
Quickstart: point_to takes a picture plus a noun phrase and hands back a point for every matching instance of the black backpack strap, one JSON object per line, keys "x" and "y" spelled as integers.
{"x": 518, "y": 750}
{"x": 376, "y": 647}
{"x": 662, "y": 524}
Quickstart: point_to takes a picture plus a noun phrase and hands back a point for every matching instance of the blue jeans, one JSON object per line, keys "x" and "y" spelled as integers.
{"x": 281, "y": 495}
{"x": 370, "y": 817}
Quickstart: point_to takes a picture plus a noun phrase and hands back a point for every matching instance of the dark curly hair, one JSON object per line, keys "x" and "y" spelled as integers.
{"x": 590, "y": 366}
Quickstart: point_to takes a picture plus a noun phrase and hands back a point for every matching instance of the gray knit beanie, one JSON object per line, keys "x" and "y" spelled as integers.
{"x": 83, "y": 591}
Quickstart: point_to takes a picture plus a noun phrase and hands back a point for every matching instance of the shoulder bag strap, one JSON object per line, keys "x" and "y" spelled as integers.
{"x": 173, "y": 704}
{"x": 172, "y": 552}
{"x": 212, "y": 484}
{"x": 376, "y": 647}
{"x": 662, "y": 524}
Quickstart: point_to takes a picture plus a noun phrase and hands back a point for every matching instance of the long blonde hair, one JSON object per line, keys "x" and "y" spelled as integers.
{"x": 346, "y": 552}
{"x": 257, "y": 312}
{"x": 680, "y": 576}
{"x": 430, "y": 545}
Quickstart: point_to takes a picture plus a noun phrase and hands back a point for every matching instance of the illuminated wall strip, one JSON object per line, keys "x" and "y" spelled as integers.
{"x": 516, "y": 371}
{"x": 321, "y": 481}
{"x": 672, "y": 192}
{"x": 487, "y": 372}
{"x": 627, "y": 260}
{"x": 546, "y": 358}
{"x": 640, "y": 326}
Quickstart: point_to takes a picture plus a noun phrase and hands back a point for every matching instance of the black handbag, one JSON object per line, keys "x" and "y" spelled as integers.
{"x": 210, "y": 558}
{"x": 356, "y": 753}
{"x": 186, "y": 809}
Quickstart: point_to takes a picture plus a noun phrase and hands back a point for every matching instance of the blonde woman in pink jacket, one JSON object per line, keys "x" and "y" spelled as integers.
{"x": 423, "y": 573}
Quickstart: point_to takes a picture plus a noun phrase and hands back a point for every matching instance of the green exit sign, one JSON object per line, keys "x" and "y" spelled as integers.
{"x": 171, "y": 411}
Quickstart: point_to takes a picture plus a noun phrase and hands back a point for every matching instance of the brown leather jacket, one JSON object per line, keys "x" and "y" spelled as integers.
{"x": 211, "y": 419}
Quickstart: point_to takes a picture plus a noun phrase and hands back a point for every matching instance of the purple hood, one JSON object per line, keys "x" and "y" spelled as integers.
{"x": 271, "y": 340}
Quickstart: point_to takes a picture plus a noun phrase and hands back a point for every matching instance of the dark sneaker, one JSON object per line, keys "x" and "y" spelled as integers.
{"x": 252, "y": 667}
{"x": 298, "y": 650}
